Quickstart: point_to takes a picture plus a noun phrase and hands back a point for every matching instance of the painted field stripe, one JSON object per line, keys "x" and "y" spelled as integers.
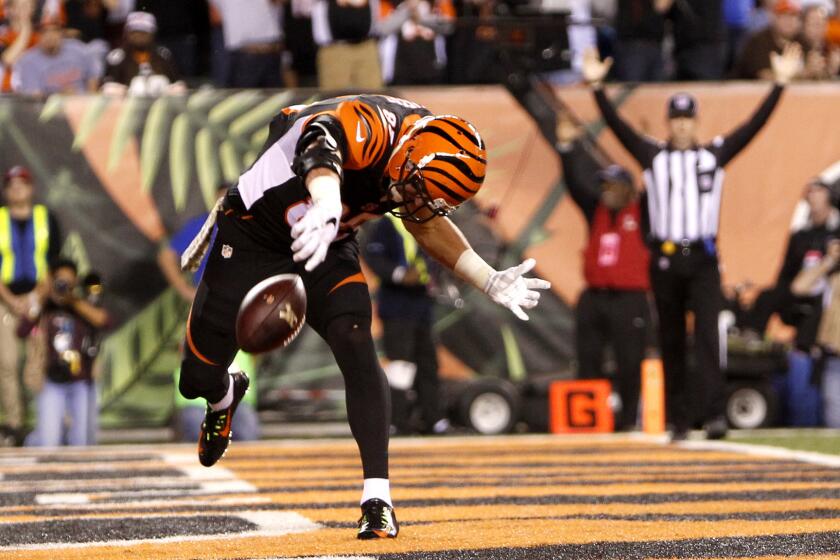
{"x": 795, "y": 509}
{"x": 96, "y": 486}
{"x": 280, "y": 524}
{"x": 766, "y": 451}
{"x": 323, "y": 558}
{"x": 66, "y": 498}
{"x": 497, "y": 539}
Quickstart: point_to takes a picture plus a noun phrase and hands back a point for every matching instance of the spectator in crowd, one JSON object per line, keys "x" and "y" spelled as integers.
{"x": 414, "y": 50}
{"x": 472, "y": 49}
{"x": 56, "y": 65}
{"x": 684, "y": 182}
{"x": 822, "y": 61}
{"x": 406, "y": 309}
{"x": 140, "y": 66}
{"x": 179, "y": 25}
{"x": 613, "y": 309}
{"x": 348, "y": 55}
{"x": 118, "y": 11}
{"x": 737, "y": 15}
{"x": 302, "y": 68}
{"x": 190, "y": 413}
{"x": 806, "y": 247}
{"x": 825, "y": 277}
{"x": 29, "y": 241}
{"x": 86, "y": 20}
{"x": 832, "y": 34}
{"x": 699, "y": 41}
{"x": 92, "y": 293}
{"x": 70, "y": 325}
{"x": 761, "y": 16}
{"x": 219, "y": 55}
{"x": 254, "y": 42}
{"x": 581, "y": 36}
{"x": 17, "y": 34}
{"x": 640, "y": 31}
{"x": 784, "y": 28}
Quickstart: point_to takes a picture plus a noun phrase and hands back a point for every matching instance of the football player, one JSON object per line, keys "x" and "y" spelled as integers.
{"x": 325, "y": 169}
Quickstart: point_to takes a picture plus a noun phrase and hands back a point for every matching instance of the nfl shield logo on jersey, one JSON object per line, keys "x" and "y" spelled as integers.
{"x": 227, "y": 251}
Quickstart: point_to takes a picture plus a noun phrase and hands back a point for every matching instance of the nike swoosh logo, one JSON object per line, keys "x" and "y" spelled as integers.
{"x": 359, "y": 137}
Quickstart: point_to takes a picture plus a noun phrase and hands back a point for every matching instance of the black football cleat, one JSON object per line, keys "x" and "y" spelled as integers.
{"x": 716, "y": 428}
{"x": 215, "y": 430}
{"x": 378, "y": 520}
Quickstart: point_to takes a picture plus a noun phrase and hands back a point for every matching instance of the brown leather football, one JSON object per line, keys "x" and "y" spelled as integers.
{"x": 272, "y": 314}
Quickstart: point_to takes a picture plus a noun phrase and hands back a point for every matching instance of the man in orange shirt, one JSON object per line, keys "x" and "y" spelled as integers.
{"x": 16, "y": 35}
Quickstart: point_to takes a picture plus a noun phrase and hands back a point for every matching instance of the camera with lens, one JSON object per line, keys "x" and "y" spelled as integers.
{"x": 62, "y": 287}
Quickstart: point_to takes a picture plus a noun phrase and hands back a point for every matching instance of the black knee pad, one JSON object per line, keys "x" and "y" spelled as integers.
{"x": 349, "y": 332}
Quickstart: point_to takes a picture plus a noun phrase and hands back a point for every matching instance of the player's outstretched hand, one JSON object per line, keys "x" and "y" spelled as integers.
{"x": 593, "y": 68}
{"x": 312, "y": 236}
{"x": 509, "y": 288}
{"x": 788, "y": 64}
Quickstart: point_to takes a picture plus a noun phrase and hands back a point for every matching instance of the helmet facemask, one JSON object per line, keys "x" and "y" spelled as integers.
{"x": 411, "y": 187}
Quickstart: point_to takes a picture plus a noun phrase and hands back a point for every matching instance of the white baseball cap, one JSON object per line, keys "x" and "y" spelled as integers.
{"x": 141, "y": 21}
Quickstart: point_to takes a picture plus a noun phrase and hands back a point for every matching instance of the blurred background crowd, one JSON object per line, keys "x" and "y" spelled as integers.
{"x": 150, "y": 46}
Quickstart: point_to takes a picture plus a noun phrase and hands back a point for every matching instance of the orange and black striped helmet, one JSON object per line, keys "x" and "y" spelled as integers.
{"x": 441, "y": 160}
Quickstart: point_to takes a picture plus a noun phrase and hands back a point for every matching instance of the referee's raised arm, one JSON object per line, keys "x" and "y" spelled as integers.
{"x": 594, "y": 73}
{"x": 785, "y": 67}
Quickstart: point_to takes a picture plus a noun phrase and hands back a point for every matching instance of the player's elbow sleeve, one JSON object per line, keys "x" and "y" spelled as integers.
{"x": 319, "y": 147}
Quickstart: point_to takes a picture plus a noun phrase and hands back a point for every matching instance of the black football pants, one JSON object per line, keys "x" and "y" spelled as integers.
{"x": 338, "y": 308}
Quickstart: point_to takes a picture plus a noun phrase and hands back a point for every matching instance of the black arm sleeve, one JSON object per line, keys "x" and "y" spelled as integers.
{"x": 580, "y": 173}
{"x": 736, "y": 140}
{"x": 792, "y": 263}
{"x": 321, "y": 144}
{"x": 640, "y": 148}
{"x": 54, "y": 248}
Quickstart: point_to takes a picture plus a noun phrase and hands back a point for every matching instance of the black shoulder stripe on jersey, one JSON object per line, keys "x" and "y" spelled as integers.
{"x": 447, "y": 190}
{"x": 460, "y": 166}
{"x": 431, "y": 168}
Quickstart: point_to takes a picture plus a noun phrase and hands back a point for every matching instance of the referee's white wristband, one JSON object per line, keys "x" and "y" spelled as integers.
{"x": 473, "y": 269}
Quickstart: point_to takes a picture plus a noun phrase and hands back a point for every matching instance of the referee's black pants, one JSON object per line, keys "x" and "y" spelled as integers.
{"x": 619, "y": 318}
{"x": 689, "y": 279}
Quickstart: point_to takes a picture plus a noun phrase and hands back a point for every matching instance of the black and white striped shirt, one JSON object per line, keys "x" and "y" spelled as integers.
{"x": 684, "y": 187}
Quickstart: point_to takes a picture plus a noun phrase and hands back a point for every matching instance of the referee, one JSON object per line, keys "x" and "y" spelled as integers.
{"x": 683, "y": 181}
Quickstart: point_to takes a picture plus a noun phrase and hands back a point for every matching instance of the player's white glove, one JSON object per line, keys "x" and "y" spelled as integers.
{"x": 312, "y": 236}
{"x": 509, "y": 288}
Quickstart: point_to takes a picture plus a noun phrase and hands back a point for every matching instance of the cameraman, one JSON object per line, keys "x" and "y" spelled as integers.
{"x": 70, "y": 326}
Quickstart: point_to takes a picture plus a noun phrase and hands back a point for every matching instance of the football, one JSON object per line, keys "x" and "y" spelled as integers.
{"x": 272, "y": 314}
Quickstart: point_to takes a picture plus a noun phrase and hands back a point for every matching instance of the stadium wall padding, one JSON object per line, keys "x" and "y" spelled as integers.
{"x": 123, "y": 173}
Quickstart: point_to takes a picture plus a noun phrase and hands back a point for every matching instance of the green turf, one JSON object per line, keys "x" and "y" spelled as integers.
{"x": 807, "y": 440}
